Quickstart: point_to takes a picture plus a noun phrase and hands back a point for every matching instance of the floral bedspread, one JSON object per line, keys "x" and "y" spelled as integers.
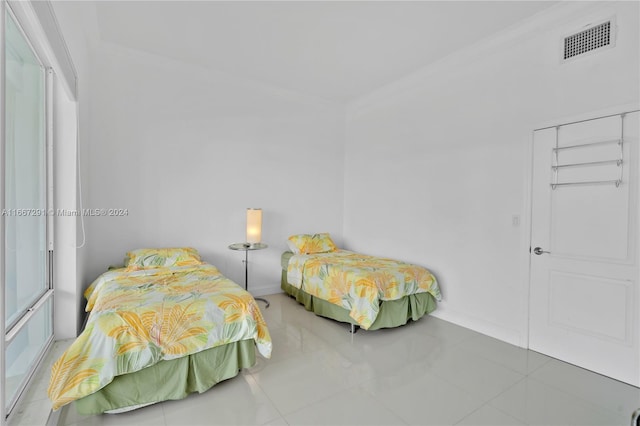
{"x": 358, "y": 282}
{"x": 141, "y": 317}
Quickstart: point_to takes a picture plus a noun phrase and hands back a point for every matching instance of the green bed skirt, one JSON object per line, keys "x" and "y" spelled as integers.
{"x": 173, "y": 379}
{"x": 393, "y": 313}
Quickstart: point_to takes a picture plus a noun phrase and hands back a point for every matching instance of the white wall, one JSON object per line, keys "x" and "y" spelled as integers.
{"x": 430, "y": 169}
{"x": 75, "y": 28}
{"x": 66, "y": 315}
{"x": 186, "y": 150}
{"x": 436, "y": 165}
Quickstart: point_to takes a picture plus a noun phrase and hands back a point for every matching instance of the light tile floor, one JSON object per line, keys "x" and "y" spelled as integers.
{"x": 430, "y": 372}
{"x": 34, "y": 407}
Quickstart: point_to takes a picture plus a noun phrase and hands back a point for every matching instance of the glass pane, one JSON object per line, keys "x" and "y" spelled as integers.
{"x": 25, "y": 348}
{"x": 25, "y": 168}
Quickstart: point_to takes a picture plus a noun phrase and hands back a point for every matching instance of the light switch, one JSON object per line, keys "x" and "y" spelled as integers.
{"x": 515, "y": 220}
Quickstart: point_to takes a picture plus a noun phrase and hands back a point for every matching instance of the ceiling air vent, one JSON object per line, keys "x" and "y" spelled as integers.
{"x": 585, "y": 41}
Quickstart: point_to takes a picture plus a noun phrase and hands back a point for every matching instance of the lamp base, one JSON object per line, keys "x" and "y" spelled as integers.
{"x": 263, "y": 300}
{"x": 255, "y": 246}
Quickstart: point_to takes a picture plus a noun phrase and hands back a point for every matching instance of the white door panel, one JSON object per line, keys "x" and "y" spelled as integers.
{"x": 579, "y": 315}
{"x": 584, "y": 288}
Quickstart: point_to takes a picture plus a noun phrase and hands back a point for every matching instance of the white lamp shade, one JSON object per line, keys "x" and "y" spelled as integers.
{"x": 254, "y": 225}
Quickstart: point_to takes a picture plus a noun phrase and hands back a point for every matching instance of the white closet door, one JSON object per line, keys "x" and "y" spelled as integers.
{"x": 584, "y": 259}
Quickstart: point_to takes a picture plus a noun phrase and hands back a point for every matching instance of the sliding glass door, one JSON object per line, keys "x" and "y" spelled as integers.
{"x": 27, "y": 288}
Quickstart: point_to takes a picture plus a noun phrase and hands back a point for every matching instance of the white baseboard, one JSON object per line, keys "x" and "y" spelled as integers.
{"x": 54, "y": 416}
{"x": 265, "y": 290}
{"x": 480, "y": 325}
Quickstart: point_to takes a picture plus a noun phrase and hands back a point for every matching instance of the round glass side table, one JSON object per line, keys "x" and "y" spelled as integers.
{"x": 246, "y": 248}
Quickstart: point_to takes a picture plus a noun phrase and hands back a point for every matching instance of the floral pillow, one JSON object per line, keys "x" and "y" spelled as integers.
{"x": 162, "y": 257}
{"x": 311, "y": 243}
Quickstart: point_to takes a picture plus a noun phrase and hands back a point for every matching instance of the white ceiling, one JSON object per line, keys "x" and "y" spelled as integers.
{"x": 333, "y": 50}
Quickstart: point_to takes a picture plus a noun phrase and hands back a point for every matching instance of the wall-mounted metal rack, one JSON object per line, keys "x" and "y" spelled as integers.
{"x": 618, "y": 162}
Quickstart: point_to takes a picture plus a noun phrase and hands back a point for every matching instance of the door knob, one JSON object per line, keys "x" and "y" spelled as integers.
{"x": 539, "y": 251}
